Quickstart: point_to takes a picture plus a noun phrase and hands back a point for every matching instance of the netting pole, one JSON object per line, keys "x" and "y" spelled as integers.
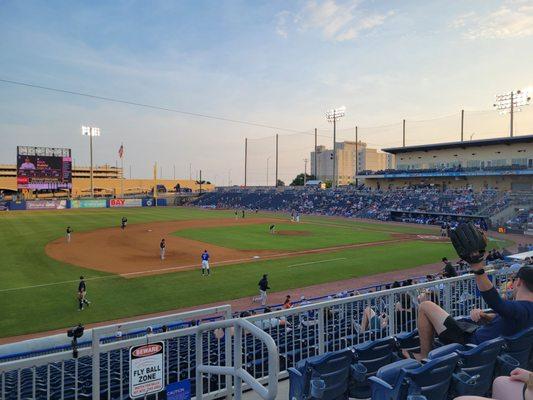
{"x": 245, "y": 159}
{"x": 334, "y": 183}
{"x": 512, "y": 112}
{"x": 276, "y": 184}
{"x": 462, "y": 124}
{"x": 404, "y": 133}
{"x": 356, "y": 157}
{"x": 315, "y": 169}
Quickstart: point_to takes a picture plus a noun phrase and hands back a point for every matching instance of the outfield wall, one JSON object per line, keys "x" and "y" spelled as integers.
{"x": 56, "y": 204}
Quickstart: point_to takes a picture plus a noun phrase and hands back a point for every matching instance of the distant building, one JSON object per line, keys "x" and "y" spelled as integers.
{"x": 368, "y": 159}
{"x": 500, "y": 163}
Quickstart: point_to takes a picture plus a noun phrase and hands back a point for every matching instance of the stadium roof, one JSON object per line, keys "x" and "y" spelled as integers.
{"x": 465, "y": 144}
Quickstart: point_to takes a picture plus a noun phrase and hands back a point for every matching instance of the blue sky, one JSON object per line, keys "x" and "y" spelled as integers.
{"x": 281, "y": 63}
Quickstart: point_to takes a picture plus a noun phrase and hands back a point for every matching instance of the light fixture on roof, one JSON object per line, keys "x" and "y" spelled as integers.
{"x": 332, "y": 116}
{"x": 511, "y": 102}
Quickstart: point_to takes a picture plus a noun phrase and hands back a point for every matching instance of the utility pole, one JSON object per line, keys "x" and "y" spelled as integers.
{"x": 404, "y": 133}
{"x": 245, "y": 159}
{"x": 174, "y": 168}
{"x": 190, "y": 171}
{"x": 200, "y": 182}
{"x": 462, "y": 124}
{"x": 277, "y": 142}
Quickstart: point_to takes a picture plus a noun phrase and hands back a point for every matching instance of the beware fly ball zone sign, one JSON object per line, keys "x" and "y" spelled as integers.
{"x": 146, "y": 369}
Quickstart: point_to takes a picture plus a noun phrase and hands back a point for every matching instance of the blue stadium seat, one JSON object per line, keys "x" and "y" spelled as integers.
{"x": 408, "y": 341}
{"x": 373, "y": 355}
{"x": 406, "y": 378}
{"x": 476, "y": 367}
{"x": 324, "y": 377}
{"x": 520, "y": 347}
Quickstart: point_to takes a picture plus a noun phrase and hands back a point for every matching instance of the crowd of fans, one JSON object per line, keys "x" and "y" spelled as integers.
{"x": 419, "y": 205}
{"x": 452, "y": 169}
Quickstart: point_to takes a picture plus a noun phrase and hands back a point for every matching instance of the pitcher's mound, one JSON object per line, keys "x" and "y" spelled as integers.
{"x": 293, "y": 233}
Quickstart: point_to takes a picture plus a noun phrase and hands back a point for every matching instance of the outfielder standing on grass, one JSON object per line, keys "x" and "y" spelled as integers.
{"x": 69, "y": 232}
{"x": 272, "y": 229}
{"x": 123, "y": 223}
{"x": 82, "y": 294}
{"x": 162, "y": 248}
{"x": 205, "y": 263}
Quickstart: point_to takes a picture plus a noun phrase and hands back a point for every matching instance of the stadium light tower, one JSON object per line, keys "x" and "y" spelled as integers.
{"x": 332, "y": 116}
{"x": 90, "y": 131}
{"x": 511, "y": 103}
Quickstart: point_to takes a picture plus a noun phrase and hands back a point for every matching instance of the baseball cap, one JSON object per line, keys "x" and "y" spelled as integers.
{"x": 526, "y": 274}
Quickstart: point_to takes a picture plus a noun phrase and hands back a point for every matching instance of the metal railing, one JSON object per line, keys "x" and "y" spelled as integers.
{"x": 228, "y": 356}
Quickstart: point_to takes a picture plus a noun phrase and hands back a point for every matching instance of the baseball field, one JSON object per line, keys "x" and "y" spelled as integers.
{"x": 39, "y": 270}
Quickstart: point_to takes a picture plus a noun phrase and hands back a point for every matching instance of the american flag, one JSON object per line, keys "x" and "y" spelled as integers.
{"x": 121, "y": 151}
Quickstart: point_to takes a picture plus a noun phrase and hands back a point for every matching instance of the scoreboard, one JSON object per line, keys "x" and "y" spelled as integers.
{"x": 44, "y": 168}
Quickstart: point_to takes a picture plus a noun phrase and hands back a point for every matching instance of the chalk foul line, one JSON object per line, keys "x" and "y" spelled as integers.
{"x": 316, "y": 262}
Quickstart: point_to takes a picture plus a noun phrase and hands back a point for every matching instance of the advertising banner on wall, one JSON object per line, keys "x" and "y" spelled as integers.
{"x": 88, "y": 203}
{"x": 146, "y": 369}
{"x": 125, "y": 203}
{"x": 46, "y": 205}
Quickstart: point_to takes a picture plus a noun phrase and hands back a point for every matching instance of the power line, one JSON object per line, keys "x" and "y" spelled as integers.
{"x": 153, "y": 107}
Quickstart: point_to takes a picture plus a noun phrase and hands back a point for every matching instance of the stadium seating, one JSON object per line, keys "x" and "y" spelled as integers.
{"x": 410, "y": 377}
{"x": 420, "y": 205}
{"x": 324, "y": 377}
{"x": 373, "y": 355}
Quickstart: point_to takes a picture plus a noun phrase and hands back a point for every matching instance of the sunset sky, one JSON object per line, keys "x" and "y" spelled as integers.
{"x": 276, "y": 63}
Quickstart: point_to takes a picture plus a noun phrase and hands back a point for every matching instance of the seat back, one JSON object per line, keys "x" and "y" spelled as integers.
{"x": 334, "y": 369}
{"x": 519, "y": 346}
{"x": 376, "y": 354}
{"x": 373, "y": 355}
{"x": 431, "y": 379}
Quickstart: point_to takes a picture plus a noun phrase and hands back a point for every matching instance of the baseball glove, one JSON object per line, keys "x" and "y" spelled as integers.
{"x": 469, "y": 242}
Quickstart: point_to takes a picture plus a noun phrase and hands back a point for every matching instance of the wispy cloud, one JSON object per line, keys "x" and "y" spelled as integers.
{"x": 337, "y": 21}
{"x": 512, "y": 20}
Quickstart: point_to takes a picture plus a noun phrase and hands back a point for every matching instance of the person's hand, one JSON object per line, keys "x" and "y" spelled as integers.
{"x": 476, "y": 314}
{"x": 520, "y": 375}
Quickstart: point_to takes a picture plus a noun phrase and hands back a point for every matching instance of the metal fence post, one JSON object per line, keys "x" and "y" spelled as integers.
{"x": 95, "y": 346}
{"x": 321, "y": 331}
{"x": 199, "y": 360}
{"x": 238, "y": 361}
{"x": 228, "y": 355}
{"x": 391, "y": 304}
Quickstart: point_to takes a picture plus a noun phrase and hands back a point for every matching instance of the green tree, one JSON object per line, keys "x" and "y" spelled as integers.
{"x": 280, "y": 183}
{"x": 299, "y": 180}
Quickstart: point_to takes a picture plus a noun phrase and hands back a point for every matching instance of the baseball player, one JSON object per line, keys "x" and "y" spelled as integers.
{"x": 69, "y": 233}
{"x": 82, "y": 294}
{"x": 205, "y": 263}
{"x": 243, "y": 214}
{"x": 162, "y": 248}
{"x": 123, "y": 223}
{"x": 263, "y": 287}
{"x": 272, "y": 229}
{"x": 236, "y": 215}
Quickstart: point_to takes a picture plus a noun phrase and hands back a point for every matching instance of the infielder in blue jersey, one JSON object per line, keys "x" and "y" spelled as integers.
{"x": 205, "y": 263}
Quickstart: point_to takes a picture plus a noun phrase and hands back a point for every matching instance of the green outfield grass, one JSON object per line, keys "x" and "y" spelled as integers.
{"x": 38, "y": 293}
{"x": 256, "y": 236}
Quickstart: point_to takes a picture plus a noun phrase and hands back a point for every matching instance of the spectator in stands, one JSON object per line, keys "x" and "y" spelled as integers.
{"x": 273, "y": 322}
{"x": 287, "y": 303}
{"x": 509, "y": 317}
{"x": 449, "y": 270}
{"x": 372, "y": 321}
{"x": 517, "y": 386}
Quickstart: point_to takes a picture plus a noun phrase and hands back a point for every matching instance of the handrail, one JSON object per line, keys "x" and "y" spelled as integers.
{"x": 237, "y": 371}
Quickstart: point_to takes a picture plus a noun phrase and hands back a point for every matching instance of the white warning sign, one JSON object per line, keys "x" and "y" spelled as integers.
{"x": 146, "y": 369}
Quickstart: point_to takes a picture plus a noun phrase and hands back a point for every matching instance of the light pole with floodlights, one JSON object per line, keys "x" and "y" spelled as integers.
{"x": 511, "y": 102}
{"x": 90, "y": 131}
{"x": 332, "y": 116}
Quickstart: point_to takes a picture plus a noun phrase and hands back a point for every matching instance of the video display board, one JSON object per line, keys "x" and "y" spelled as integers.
{"x": 44, "y": 168}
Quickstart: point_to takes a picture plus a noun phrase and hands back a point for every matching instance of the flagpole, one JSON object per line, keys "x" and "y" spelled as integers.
{"x": 122, "y": 168}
